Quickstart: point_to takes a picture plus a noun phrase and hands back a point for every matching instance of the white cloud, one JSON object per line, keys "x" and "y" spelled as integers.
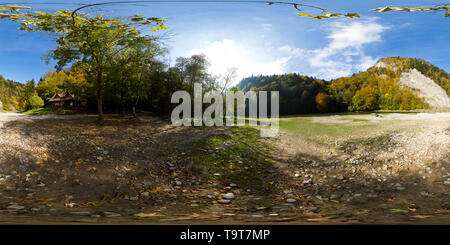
{"x": 267, "y": 27}
{"x": 344, "y": 54}
{"x": 355, "y": 34}
{"x": 227, "y": 53}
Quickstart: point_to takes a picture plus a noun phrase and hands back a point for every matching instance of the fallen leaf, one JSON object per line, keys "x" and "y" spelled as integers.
{"x": 43, "y": 199}
{"x": 318, "y": 219}
{"x": 419, "y": 216}
{"x": 70, "y": 205}
{"x": 94, "y": 203}
{"x": 362, "y": 212}
{"x": 144, "y": 215}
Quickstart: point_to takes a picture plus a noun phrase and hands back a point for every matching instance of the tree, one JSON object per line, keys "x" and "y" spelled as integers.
{"x": 322, "y": 101}
{"x": 131, "y": 71}
{"x": 228, "y": 79}
{"x": 28, "y": 100}
{"x": 88, "y": 42}
{"x": 193, "y": 70}
{"x": 35, "y": 102}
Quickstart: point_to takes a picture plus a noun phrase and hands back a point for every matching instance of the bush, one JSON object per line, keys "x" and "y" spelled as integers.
{"x": 35, "y": 102}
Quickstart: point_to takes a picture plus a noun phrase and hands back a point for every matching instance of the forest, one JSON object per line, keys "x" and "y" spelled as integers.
{"x": 375, "y": 89}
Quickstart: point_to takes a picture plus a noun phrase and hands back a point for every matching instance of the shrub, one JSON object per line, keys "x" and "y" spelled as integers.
{"x": 35, "y": 102}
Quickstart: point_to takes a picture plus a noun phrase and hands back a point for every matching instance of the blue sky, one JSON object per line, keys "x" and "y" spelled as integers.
{"x": 261, "y": 39}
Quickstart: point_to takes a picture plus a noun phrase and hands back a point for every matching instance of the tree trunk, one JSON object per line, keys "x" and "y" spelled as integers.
{"x": 134, "y": 107}
{"x": 134, "y": 111}
{"x": 100, "y": 95}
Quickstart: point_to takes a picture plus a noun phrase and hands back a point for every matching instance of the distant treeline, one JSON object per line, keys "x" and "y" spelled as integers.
{"x": 152, "y": 87}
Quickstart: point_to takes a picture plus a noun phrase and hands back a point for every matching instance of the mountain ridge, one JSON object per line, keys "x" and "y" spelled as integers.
{"x": 393, "y": 83}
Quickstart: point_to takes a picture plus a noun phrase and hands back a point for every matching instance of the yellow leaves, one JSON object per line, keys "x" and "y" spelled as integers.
{"x": 64, "y": 13}
{"x": 13, "y": 8}
{"x": 271, "y": 182}
{"x": 39, "y": 12}
{"x": 387, "y": 8}
{"x": 383, "y": 9}
{"x": 94, "y": 203}
{"x": 352, "y": 15}
{"x": 305, "y": 15}
{"x": 328, "y": 15}
{"x": 154, "y": 189}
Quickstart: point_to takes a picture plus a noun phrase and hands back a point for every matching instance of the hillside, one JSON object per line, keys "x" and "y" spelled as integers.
{"x": 394, "y": 83}
{"x": 10, "y": 93}
{"x": 432, "y": 83}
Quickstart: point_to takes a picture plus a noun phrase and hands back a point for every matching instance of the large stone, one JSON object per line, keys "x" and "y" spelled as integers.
{"x": 224, "y": 201}
{"x": 228, "y": 195}
{"x": 15, "y": 207}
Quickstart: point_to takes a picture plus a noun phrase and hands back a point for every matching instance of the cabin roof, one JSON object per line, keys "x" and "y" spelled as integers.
{"x": 62, "y": 97}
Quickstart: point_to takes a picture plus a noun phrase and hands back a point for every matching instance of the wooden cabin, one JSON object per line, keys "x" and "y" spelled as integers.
{"x": 62, "y": 100}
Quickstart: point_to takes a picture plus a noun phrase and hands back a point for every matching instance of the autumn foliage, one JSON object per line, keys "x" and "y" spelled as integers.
{"x": 322, "y": 101}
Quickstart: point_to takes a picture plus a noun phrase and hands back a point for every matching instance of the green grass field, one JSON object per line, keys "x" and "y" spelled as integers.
{"x": 46, "y": 111}
{"x": 306, "y": 127}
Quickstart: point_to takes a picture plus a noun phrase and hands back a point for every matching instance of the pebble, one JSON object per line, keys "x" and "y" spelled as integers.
{"x": 291, "y": 200}
{"x": 447, "y": 182}
{"x": 228, "y": 195}
{"x": 258, "y": 216}
{"x": 15, "y": 207}
{"x": 111, "y": 214}
{"x": 334, "y": 196}
{"x": 224, "y": 201}
{"x": 178, "y": 182}
{"x": 145, "y": 194}
{"x": 229, "y": 214}
{"x": 134, "y": 198}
